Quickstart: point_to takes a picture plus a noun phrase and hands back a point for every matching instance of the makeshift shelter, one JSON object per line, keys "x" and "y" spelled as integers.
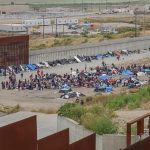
{"x": 98, "y": 56}
{"x": 31, "y": 67}
{"x": 104, "y": 77}
{"x": 127, "y": 73}
{"x": 65, "y": 89}
{"x": 147, "y": 70}
{"x": 103, "y": 88}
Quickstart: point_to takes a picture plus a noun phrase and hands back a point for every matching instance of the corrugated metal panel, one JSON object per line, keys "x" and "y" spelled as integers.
{"x": 21, "y": 135}
{"x": 14, "y": 50}
{"x": 88, "y": 143}
{"x": 58, "y": 141}
{"x": 141, "y": 145}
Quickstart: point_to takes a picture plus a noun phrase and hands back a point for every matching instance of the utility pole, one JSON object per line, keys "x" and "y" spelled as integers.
{"x": 99, "y": 5}
{"x": 135, "y": 15}
{"x": 82, "y": 5}
{"x": 144, "y": 25}
{"x": 63, "y": 29}
{"x": 106, "y": 4}
{"x": 91, "y": 6}
{"x": 43, "y": 26}
{"x": 56, "y": 28}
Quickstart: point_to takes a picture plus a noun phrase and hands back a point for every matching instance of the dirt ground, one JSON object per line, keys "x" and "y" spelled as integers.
{"x": 49, "y": 99}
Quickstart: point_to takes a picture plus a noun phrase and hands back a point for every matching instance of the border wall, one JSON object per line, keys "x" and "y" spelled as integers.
{"x": 90, "y": 49}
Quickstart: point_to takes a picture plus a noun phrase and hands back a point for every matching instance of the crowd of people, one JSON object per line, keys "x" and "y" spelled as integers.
{"x": 76, "y": 78}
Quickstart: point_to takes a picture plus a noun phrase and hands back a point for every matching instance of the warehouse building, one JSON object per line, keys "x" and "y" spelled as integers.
{"x": 12, "y": 28}
{"x": 14, "y": 50}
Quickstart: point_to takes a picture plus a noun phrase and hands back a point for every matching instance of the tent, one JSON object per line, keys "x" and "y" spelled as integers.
{"x": 98, "y": 56}
{"x": 127, "y": 73}
{"x": 109, "y": 89}
{"x": 65, "y": 89}
{"x": 140, "y": 74}
{"x": 103, "y": 88}
{"x": 104, "y": 77}
{"x": 146, "y": 70}
{"x": 31, "y": 67}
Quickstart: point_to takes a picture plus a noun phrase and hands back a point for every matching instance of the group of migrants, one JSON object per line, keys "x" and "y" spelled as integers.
{"x": 84, "y": 78}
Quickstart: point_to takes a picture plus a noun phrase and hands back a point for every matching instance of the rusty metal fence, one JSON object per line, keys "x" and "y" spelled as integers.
{"x": 22, "y": 135}
{"x": 14, "y": 50}
{"x": 57, "y": 141}
{"x": 88, "y": 143}
{"x": 141, "y": 145}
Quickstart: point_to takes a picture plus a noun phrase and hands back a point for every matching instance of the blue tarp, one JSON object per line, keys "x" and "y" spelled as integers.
{"x": 104, "y": 88}
{"x": 127, "y": 72}
{"x": 146, "y": 70}
{"x": 65, "y": 87}
{"x": 109, "y": 89}
{"x": 104, "y": 77}
{"x": 31, "y": 67}
{"x": 98, "y": 56}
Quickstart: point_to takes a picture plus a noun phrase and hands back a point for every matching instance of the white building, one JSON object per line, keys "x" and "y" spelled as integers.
{"x": 12, "y": 28}
{"x": 36, "y": 22}
{"x": 61, "y": 21}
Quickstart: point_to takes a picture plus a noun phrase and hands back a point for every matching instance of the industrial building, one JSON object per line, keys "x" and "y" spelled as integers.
{"x": 63, "y": 21}
{"x": 47, "y": 22}
{"x": 14, "y": 50}
{"x": 36, "y": 22}
{"x": 12, "y": 28}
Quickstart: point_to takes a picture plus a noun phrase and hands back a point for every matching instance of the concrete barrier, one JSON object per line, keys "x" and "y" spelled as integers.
{"x": 103, "y": 142}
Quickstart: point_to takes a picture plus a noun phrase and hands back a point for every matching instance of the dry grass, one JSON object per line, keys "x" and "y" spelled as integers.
{"x": 49, "y": 41}
{"x": 46, "y": 111}
{"x": 8, "y": 109}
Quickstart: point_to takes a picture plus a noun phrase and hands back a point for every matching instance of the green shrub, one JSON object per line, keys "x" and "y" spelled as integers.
{"x": 132, "y": 100}
{"x": 108, "y": 35}
{"x": 87, "y": 120}
{"x": 72, "y": 110}
{"x": 103, "y": 125}
{"x": 41, "y": 46}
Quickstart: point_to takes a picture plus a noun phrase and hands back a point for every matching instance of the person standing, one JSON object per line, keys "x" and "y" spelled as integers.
{"x": 21, "y": 75}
